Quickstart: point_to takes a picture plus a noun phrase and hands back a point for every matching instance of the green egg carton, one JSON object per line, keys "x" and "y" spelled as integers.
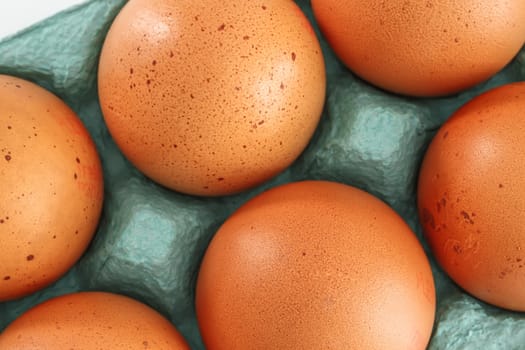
{"x": 150, "y": 240}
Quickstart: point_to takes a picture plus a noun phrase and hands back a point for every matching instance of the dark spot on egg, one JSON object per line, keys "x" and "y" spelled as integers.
{"x": 467, "y": 218}
{"x": 428, "y": 218}
{"x": 294, "y": 56}
{"x": 7, "y": 157}
{"x": 30, "y": 257}
{"x": 221, "y": 27}
{"x": 7, "y": 278}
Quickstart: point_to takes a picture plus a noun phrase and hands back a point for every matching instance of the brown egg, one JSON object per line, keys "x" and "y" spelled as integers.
{"x": 471, "y": 196}
{"x": 315, "y": 265}
{"x": 52, "y": 188}
{"x": 423, "y": 48}
{"x": 92, "y": 321}
{"x": 211, "y": 97}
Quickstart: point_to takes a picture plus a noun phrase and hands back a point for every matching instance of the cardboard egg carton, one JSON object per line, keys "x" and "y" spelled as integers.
{"x": 150, "y": 240}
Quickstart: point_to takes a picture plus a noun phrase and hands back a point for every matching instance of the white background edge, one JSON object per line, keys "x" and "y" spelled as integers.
{"x": 16, "y": 15}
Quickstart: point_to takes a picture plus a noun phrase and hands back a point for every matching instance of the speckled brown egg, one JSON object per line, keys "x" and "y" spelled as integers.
{"x": 471, "y": 196}
{"x": 211, "y": 97}
{"x": 51, "y": 188}
{"x": 423, "y": 48}
{"x": 315, "y": 265}
{"x": 92, "y": 321}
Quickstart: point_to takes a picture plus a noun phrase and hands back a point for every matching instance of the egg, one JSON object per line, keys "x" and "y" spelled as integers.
{"x": 471, "y": 196}
{"x": 423, "y": 48}
{"x": 315, "y": 265}
{"x": 211, "y": 97}
{"x": 92, "y": 321}
{"x": 52, "y": 188}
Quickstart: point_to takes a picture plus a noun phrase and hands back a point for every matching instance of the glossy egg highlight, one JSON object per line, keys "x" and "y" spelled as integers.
{"x": 315, "y": 265}
{"x": 211, "y": 97}
{"x": 52, "y": 188}
{"x": 471, "y": 196}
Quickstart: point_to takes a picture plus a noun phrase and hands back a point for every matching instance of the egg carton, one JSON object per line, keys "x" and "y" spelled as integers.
{"x": 150, "y": 240}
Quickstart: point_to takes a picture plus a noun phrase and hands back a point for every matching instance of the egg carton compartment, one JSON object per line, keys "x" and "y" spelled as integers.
{"x": 150, "y": 240}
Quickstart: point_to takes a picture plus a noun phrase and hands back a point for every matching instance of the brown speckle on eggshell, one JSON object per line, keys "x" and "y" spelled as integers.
{"x": 471, "y": 196}
{"x": 236, "y": 89}
{"x": 40, "y": 202}
{"x": 92, "y": 321}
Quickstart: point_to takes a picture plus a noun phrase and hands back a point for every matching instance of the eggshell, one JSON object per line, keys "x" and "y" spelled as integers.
{"x": 92, "y": 321}
{"x": 52, "y": 188}
{"x": 211, "y": 97}
{"x": 315, "y": 265}
{"x": 423, "y": 48}
{"x": 471, "y": 196}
